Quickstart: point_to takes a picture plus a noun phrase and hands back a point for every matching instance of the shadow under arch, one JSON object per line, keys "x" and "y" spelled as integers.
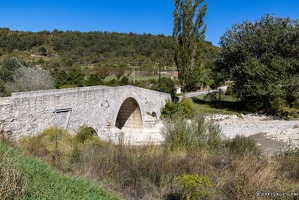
{"x": 129, "y": 115}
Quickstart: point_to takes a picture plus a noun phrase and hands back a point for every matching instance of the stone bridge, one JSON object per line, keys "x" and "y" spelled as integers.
{"x": 126, "y": 107}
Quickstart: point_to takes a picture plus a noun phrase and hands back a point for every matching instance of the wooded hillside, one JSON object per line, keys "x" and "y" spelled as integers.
{"x": 64, "y": 49}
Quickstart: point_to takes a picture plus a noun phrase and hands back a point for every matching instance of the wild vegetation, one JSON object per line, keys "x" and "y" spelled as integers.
{"x": 261, "y": 59}
{"x": 26, "y": 177}
{"x": 194, "y": 162}
{"x": 77, "y": 59}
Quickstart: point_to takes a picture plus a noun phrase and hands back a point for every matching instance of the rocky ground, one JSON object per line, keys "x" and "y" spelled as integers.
{"x": 270, "y": 133}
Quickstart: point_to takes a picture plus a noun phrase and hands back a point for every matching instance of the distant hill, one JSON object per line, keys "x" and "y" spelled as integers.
{"x": 59, "y": 49}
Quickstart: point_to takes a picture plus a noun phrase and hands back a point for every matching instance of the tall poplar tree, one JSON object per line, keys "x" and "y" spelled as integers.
{"x": 189, "y": 33}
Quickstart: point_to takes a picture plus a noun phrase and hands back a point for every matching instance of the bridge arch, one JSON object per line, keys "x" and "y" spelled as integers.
{"x": 129, "y": 116}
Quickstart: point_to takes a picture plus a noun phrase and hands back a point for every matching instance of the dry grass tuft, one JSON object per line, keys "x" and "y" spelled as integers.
{"x": 12, "y": 185}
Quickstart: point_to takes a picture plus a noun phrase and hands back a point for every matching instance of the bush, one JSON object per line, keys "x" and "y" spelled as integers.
{"x": 53, "y": 145}
{"x": 23, "y": 81}
{"x": 242, "y": 145}
{"x": 93, "y": 79}
{"x": 194, "y": 186}
{"x": 182, "y": 108}
{"x": 196, "y": 133}
{"x": 165, "y": 85}
{"x": 84, "y": 134}
{"x": 25, "y": 177}
{"x": 149, "y": 171}
{"x": 124, "y": 80}
{"x": 289, "y": 158}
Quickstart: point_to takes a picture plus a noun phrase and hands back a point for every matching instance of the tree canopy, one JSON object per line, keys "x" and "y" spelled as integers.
{"x": 262, "y": 60}
{"x": 188, "y": 33}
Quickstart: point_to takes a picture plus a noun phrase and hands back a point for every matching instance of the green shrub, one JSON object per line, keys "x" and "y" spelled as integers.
{"x": 186, "y": 106}
{"x": 296, "y": 105}
{"x": 169, "y": 109}
{"x": 124, "y": 80}
{"x": 230, "y": 91}
{"x": 278, "y": 103}
{"x": 84, "y": 134}
{"x": 182, "y": 108}
{"x": 196, "y": 133}
{"x": 242, "y": 145}
{"x": 194, "y": 186}
{"x": 53, "y": 145}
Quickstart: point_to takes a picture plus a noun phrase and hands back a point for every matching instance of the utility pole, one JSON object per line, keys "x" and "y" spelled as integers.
{"x": 159, "y": 77}
{"x": 134, "y": 74}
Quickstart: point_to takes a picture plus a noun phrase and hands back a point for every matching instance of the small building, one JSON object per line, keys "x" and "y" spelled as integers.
{"x": 174, "y": 75}
{"x": 178, "y": 90}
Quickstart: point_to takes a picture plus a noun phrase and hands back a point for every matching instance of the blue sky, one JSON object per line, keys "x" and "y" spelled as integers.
{"x": 137, "y": 16}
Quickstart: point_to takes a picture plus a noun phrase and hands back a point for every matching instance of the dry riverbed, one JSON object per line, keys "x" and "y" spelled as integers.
{"x": 270, "y": 133}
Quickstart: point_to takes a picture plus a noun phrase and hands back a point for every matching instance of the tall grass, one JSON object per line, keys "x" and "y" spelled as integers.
{"x": 25, "y": 177}
{"x": 192, "y": 134}
{"x": 150, "y": 171}
{"x": 12, "y": 184}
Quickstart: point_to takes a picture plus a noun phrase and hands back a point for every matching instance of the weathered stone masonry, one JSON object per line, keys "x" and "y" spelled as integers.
{"x": 98, "y": 106}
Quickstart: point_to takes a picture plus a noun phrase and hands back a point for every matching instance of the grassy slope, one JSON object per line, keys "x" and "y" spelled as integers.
{"x": 37, "y": 180}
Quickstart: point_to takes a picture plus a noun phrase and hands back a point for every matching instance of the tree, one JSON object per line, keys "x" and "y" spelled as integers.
{"x": 43, "y": 51}
{"x": 262, "y": 59}
{"x": 124, "y": 80}
{"x": 30, "y": 79}
{"x": 103, "y": 72}
{"x": 8, "y": 67}
{"x": 60, "y": 78}
{"x": 119, "y": 72}
{"x": 76, "y": 77}
{"x": 166, "y": 84}
{"x": 188, "y": 34}
{"x": 7, "y": 70}
{"x": 93, "y": 79}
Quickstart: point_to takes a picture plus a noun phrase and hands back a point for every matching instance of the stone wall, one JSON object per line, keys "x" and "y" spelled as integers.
{"x": 6, "y": 114}
{"x": 31, "y": 112}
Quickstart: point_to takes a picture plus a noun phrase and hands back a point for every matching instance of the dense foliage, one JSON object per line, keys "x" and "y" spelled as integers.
{"x": 174, "y": 110}
{"x": 90, "y": 47}
{"x": 262, "y": 58}
{"x": 188, "y": 33}
{"x": 100, "y": 53}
